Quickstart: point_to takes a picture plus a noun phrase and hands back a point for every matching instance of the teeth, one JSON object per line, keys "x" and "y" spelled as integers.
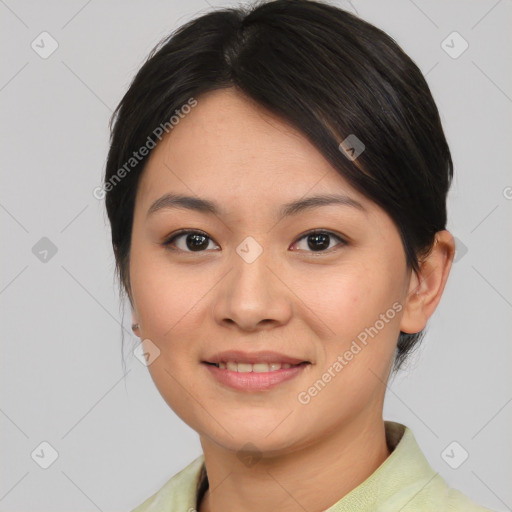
{"x": 248, "y": 367}
{"x": 260, "y": 367}
{"x": 244, "y": 367}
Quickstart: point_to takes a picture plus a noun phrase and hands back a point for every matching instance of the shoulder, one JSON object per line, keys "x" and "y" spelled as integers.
{"x": 411, "y": 483}
{"x": 438, "y": 495}
{"x": 178, "y": 493}
{"x": 457, "y": 501}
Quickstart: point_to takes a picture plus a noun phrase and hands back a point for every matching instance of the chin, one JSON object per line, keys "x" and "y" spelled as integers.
{"x": 263, "y": 439}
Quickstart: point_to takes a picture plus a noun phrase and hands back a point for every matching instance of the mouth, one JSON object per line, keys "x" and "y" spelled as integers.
{"x": 239, "y": 367}
{"x": 248, "y": 375}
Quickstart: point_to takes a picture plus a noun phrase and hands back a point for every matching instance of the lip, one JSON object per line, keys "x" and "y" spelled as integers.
{"x": 252, "y": 381}
{"x": 266, "y": 356}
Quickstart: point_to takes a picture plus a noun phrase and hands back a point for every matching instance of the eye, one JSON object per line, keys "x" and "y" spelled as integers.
{"x": 319, "y": 241}
{"x": 195, "y": 241}
{"x": 198, "y": 241}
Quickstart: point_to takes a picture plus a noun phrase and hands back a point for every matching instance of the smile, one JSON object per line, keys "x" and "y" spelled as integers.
{"x": 254, "y": 377}
{"x": 255, "y": 367}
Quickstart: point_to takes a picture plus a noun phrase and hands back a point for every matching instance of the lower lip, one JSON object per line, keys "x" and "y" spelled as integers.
{"x": 253, "y": 381}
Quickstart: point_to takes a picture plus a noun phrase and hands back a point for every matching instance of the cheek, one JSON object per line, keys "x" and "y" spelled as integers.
{"x": 169, "y": 308}
{"x": 361, "y": 305}
{"x": 346, "y": 298}
{"x": 355, "y": 360}
{"x": 166, "y": 299}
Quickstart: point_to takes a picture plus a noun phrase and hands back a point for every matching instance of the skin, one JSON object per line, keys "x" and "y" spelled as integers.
{"x": 292, "y": 299}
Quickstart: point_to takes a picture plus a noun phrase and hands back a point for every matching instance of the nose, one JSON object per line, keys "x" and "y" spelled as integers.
{"x": 253, "y": 295}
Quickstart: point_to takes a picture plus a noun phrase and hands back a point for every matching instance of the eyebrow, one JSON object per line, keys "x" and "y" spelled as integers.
{"x": 171, "y": 201}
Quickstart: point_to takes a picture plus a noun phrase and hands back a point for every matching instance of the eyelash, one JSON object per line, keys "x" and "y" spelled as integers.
{"x": 172, "y": 238}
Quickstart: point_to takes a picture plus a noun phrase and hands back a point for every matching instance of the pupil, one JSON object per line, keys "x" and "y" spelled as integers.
{"x": 320, "y": 239}
{"x": 195, "y": 242}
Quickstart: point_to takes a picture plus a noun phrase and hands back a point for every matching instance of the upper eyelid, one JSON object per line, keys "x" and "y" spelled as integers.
{"x": 183, "y": 232}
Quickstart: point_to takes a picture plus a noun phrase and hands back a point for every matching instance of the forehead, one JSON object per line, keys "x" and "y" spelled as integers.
{"x": 231, "y": 148}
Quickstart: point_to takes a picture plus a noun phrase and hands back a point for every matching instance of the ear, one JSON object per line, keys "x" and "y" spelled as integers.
{"x": 426, "y": 287}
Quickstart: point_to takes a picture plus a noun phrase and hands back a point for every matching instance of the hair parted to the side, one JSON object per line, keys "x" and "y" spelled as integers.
{"x": 326, "y": 72}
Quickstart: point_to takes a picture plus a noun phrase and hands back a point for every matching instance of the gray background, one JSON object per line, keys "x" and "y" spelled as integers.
{"x": 61, "y": 375}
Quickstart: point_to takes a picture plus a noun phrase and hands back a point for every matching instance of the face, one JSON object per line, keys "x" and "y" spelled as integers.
{"x": 253, "y": 278}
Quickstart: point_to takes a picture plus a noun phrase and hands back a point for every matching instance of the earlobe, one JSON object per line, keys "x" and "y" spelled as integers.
{"x": 135, "y": 323}
{"x": 426, "y": 288}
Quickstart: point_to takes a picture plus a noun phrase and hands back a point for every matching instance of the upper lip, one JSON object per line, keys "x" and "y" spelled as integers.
{"x": 253, "y": 357}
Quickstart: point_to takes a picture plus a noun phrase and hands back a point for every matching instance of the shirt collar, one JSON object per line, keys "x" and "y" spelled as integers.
{"x": 396, "y": 482}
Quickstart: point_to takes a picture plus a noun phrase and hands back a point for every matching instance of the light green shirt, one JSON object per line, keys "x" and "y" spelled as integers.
{"x": 404, "y": 482}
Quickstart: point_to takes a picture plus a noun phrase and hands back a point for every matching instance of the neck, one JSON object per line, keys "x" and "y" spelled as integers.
{"x": 331, "y": 467}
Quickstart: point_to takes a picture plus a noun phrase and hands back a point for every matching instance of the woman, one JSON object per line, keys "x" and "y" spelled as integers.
{"x": 276, "y": 186}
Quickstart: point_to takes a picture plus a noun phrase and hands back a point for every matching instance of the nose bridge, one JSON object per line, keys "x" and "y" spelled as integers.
{"x": 251, "y": 267}
{"x": 252, "y": 293}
